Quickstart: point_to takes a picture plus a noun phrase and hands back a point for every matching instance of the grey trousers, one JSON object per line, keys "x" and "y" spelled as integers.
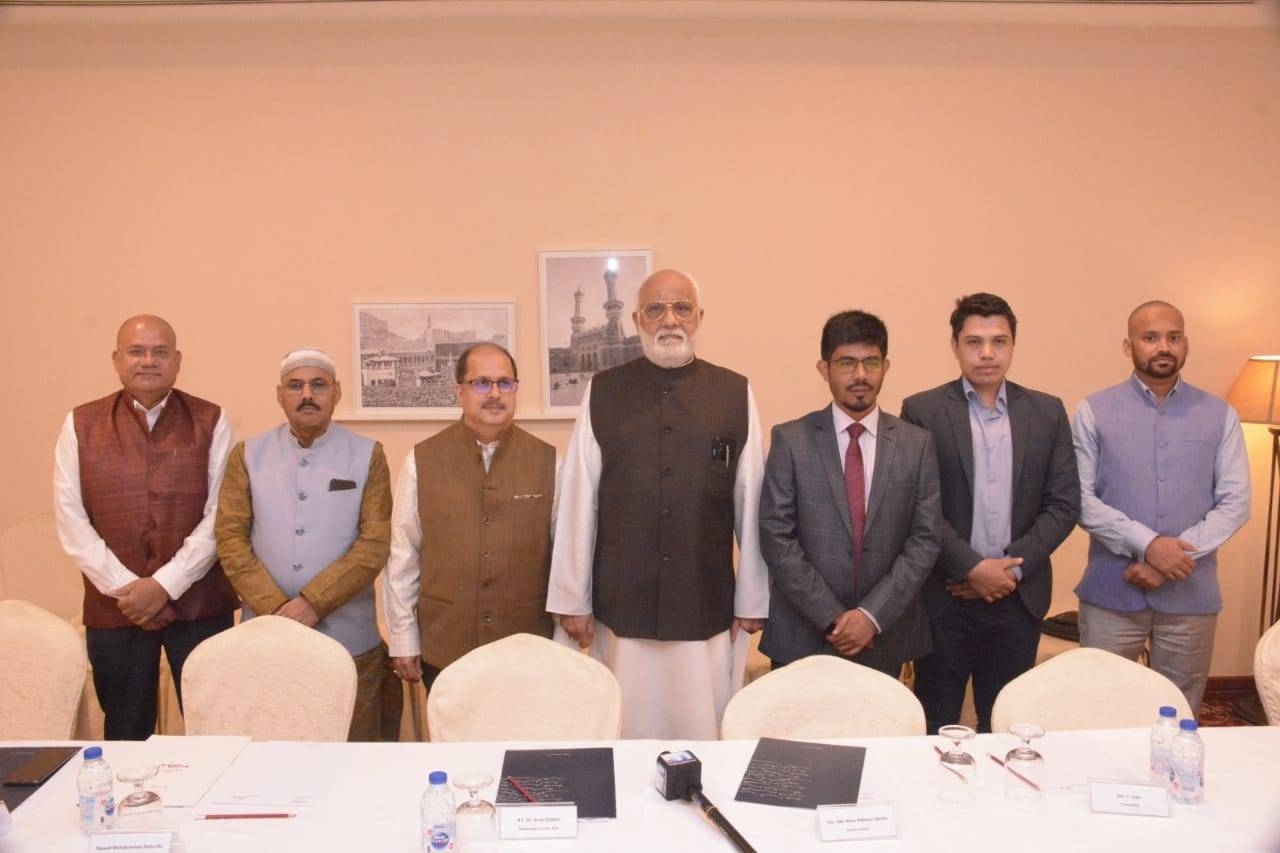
{"x": 1181, "y": 644}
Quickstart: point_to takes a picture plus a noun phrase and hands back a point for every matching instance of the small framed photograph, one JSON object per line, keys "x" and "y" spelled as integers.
{"x": 405, "y": 354}
{"x": 587, "y": 301}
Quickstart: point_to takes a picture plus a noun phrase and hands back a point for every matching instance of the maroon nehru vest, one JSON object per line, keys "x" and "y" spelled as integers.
{"x": 145, "y": 492}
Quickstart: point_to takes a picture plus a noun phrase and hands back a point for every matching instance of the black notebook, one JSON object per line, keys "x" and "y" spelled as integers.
{"x": 580, "y": 776}
{"x": 24, "y": 769}
{"x": 802, "y": 775}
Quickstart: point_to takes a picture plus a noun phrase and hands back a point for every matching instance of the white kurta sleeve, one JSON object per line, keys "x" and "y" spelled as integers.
{"x": 402, "y": 578}
{"x": 200, "y": 549}
{"x": 751, "y": 594}
{"x": 569, "y": 589}
{"x": 79, "y": 538}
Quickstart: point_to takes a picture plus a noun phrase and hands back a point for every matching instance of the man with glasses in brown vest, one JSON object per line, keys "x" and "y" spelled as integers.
{"x": 136, "y": 481}
{"x": 471, "y": 528}
{"x": 663, "y": 474}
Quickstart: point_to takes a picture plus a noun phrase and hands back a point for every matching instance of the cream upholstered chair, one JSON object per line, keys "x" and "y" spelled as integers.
{"x": 1266, "y": 673}
{"x": 42, "y": 666}
{"x": 1086, "y": 689}
{"x": 270, "y": 678}
{"x": 823, "y": 696}
{"x": 524, "y": 687}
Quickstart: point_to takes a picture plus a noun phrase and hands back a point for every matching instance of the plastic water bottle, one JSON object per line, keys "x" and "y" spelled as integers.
{"x": 1186, "y": 765}
{"x": 1162, "y": 735}
{"x": 94, "y": 783}
{"x": 439, "y": 826}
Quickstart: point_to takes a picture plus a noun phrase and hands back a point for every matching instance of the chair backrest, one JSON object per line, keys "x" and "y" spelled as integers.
{"x": 34, "y": 568}
{"x": 524, "y": 687}
{"x": 1086, "y": 689}
{"x": 42, "y": 673}
{"x": 823, "y": 696}
{"x": 269, "y": 678}
{"x": 1266, "y": 673}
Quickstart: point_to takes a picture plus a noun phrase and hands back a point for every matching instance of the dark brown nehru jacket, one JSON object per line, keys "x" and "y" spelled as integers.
{"x": 145, "y": 491}
{"x": 669, "y": 445}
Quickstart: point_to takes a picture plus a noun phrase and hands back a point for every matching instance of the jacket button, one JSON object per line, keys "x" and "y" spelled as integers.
{"x": 666, "y": 430}
{"x": 302, "y": 496}
{"x": 488, "y": 520}
{"x": 666, "y": 513}
{"x": 487, "y": 619}
{"x": 297, "y": 567}
{"x": 666, "y": 472}
{"x": 484, "y": 555}
{"x": 300, "y": 530}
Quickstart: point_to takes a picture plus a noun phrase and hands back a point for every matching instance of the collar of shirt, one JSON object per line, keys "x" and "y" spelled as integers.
{"x": 1002, "y": 396}
{"x": 1149, "y": 395}
{"x": 842, "y": 419}
{"x": 152, "y": 414}
{"x": 318, "y": 443}
{"x": 487, "y": 451}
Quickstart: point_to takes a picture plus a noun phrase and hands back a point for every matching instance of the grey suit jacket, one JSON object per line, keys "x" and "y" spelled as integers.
{"x": 806, "y": 537}
{"x": 1046, "y": 487}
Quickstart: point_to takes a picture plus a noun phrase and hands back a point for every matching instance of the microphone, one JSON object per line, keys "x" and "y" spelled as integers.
{"x": 680, "y": 778}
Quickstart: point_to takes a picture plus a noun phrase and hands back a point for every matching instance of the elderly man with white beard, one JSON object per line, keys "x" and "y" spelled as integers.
{"x": 663, "y": 472}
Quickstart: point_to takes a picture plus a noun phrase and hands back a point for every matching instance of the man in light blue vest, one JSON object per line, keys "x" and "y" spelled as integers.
{"x": 1165, "y": 482}
{"x": 304, "y": 527}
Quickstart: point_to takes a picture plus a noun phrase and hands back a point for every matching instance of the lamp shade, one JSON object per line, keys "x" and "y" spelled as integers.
{"x": 1256, "y": 391}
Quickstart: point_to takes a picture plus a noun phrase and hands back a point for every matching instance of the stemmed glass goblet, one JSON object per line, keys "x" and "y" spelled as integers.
{"x": 475, "y": 816}
{"x": 140, "y": 808}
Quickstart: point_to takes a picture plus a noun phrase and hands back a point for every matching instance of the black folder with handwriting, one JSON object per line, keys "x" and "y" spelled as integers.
{"x": 23, "y": 769}
{"x": 802, "y": 775}
{"x": 581, "y": 776}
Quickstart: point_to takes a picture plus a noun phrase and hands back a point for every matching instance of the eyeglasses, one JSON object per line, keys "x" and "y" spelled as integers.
{"x": 484, "y": 385}
{"x": 848, "y": 364}
{"x": 319, "y": 387}
{"x": 682, "y": 308}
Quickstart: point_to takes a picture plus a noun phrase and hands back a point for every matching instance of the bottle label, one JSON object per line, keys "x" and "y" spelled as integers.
{"x": 97, "y": 811}
{"x": 438, "y": 836}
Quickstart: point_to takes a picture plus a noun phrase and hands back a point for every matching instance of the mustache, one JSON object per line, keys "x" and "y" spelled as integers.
{"x": 307, "y": 404}
{"x": 493, "y": 404}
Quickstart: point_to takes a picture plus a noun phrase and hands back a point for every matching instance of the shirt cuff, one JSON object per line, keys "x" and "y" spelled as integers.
{"x": 865, "y": 612}
{"x": 404, "y": 646}
{"x": 1017, "y": 573}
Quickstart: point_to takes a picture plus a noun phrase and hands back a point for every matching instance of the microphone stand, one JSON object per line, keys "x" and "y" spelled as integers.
{"x": 717, "y": 817}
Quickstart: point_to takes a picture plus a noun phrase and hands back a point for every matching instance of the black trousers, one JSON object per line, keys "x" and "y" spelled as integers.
{"x": 993, "y": 643}
{"x": 126, "y": 670}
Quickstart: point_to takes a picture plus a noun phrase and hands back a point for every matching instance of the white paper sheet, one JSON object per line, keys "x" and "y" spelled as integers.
{"x": 188, "y": 766}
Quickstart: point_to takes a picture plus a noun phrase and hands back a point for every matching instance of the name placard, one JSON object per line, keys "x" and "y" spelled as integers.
{"x": 525, "y": 821}
{"x": 1129, "y": 798}
{"x": 856, "y": 822}
{"x": 130, "y": 842}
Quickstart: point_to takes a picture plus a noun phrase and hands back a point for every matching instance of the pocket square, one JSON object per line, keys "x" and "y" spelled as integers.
{"x": 341, "y": 485}
{"x": 527, "y": 497}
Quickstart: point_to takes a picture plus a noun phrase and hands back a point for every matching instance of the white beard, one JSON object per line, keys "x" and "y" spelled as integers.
{"x": 668, "y": 348}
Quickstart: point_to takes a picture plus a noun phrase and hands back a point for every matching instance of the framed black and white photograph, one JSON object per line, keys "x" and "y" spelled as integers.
{"x": 406, "y": 352}
{"x": 587, "y": 301}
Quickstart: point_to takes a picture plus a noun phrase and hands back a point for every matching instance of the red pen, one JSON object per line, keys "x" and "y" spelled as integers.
{"x": 524, "y": 792}
{"x": 245, "y": 816}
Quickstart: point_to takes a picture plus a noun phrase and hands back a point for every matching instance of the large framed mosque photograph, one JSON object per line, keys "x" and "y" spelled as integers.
{"x": 405, "y": 354}
{"x": 587, "y": 299}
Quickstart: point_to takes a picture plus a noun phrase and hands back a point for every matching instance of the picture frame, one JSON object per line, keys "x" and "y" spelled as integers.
{"x": 586, "y": 299}
{"x": 404, "y": 354}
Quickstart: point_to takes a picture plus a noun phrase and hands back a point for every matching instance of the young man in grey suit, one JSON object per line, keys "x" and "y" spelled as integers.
{"x": 849, "y": 515}
{"x": 1010, "y": 495}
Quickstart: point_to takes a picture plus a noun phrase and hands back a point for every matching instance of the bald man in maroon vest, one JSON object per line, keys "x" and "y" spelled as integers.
{"x": 136, "y": 481}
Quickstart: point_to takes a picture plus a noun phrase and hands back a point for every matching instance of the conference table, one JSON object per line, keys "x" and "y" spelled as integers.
{"x": 370, "y": 799}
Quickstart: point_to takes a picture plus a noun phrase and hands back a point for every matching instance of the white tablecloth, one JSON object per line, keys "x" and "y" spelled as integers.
{"x": 372, "y": 803}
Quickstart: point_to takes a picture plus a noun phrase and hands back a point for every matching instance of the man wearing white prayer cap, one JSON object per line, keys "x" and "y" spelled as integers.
{"x": 304, "y": 527}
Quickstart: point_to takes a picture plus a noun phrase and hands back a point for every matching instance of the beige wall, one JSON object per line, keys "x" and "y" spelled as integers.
{"x": 250, "y": 172}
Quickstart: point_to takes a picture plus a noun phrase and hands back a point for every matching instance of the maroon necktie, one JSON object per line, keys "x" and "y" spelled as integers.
{"x": 855, "y": 489}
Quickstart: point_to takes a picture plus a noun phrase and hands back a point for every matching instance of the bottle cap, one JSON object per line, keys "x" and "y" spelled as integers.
{"x": 92, "y": 752}
{"x": 438, "y": 777}
{"x": 1168, "y": 711}
{"x": 1187, "y": 725}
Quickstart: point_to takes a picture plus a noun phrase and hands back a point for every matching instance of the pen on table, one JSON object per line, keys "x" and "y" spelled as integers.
{"x": 938, "y": 750}
{"x": 524, "y": 792}
{"x": 246, "y": 816}
{"x": 1014, "y": 772}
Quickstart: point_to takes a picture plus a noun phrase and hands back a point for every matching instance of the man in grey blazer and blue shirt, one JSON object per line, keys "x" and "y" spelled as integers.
{"x": 849, "y": 515}
{"x": 1010, "y": 495}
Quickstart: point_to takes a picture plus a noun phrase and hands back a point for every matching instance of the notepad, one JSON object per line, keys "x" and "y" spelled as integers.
{"x": 580, "y": 776}
{"x": 802, "y": 775}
